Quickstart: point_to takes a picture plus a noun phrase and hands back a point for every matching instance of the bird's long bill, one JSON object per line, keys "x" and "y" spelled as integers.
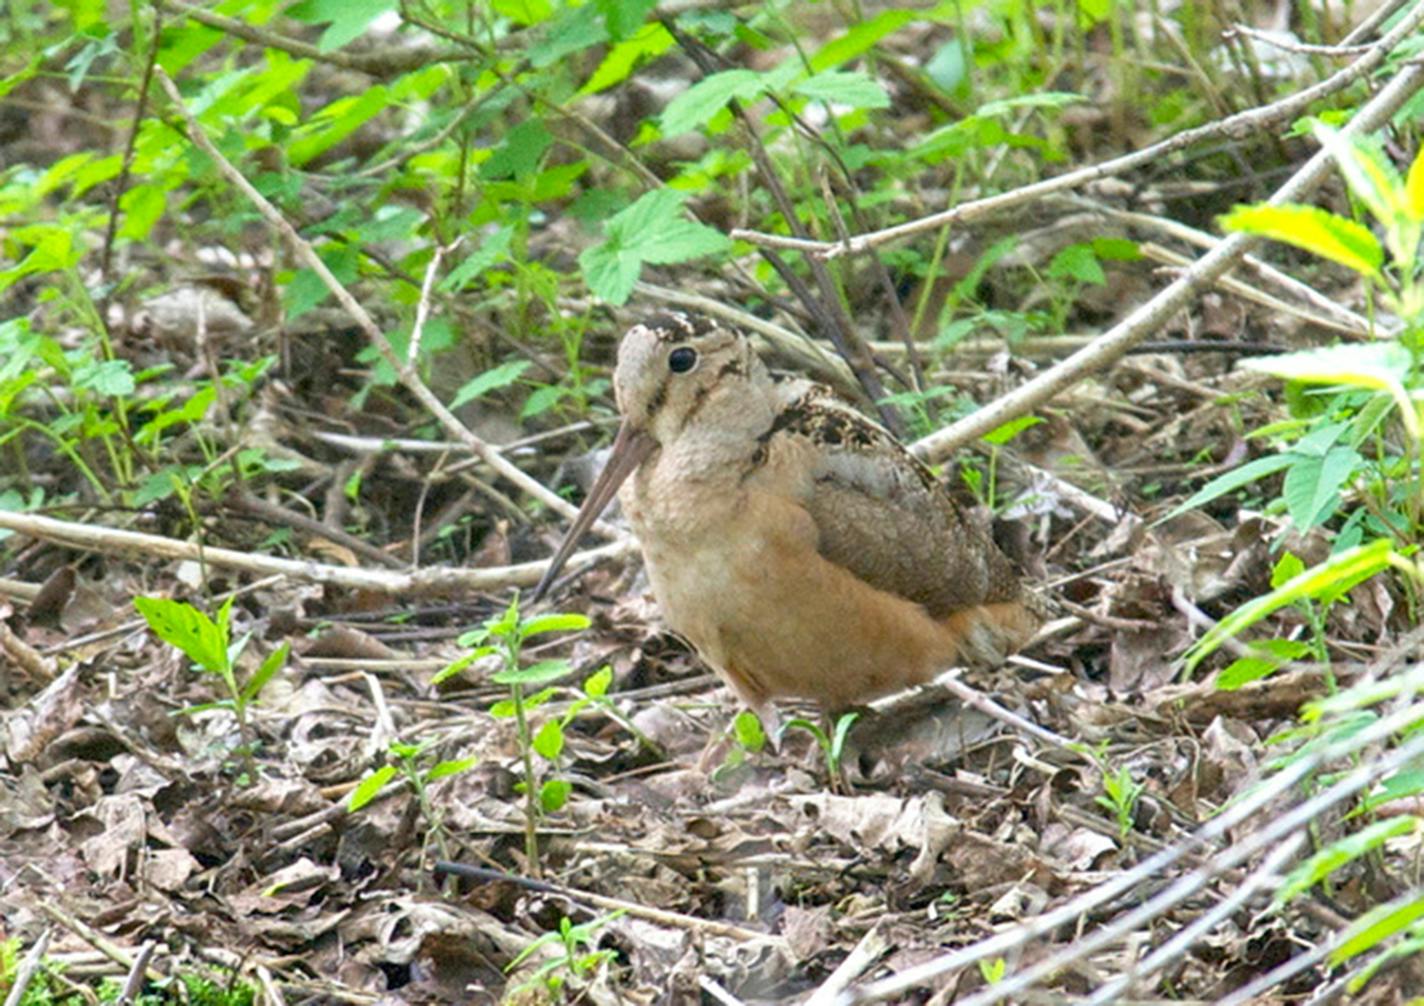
{"x": 631, "y": 448}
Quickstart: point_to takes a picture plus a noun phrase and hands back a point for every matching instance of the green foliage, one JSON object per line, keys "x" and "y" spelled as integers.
{"x": 832, "y": 745}
{"x": 417, "y": 769}
{"x": 577, "y": 962}
{"x": 207, "y": 642}
{"x": 505, "y": 636}
{"x": 1120, "y": 795}
{"x": 1340, "y": 443}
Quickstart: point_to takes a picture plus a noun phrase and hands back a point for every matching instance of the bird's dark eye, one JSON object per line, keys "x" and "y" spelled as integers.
{"x": 682, "y": 359}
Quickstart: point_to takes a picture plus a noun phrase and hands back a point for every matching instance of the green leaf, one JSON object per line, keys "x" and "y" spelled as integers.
{"x": 853, "y": 88}
{"x": 652, "y": 229}
{"x": 496, "y": 377}
{"x": 1077, "y": 261}
{"x": 1312, "y": 485}
{"x": 337, "y": 121}
{"x": 520, "y": 153}
{"x": 747, "y": 730}
{"x": 275, "y": 661}
{"x": 524, "y": 12}
{"x": 571, "y": 30}
{"x": 1032, "y": 99}
{"x": 1310, "y": 228}
{"x": 460, "y": 663}
{"x": 1008, "y": 431}
{"x": 105, "y": 377}
{"x": 1287, "y": 568}
{"x": 187, "y": 628}
{"x": 1378, "y": 925}
{"x": 1262, "y": 660}
{"x": 503, "y": 709}
{"x": 549, "y": 740}
{"x": 367, "y": 789}
{"x": 623, "y": 17}
{"x": 453, "y": 766}
{"x": 861, "y": 37}
{"x": 696, "y": 106}
{"x": 595, "y": 686}
{"x": 1346, "y": 849}
{"x": 493, "y": 250}
{"x": 347, "y": 19}
{"x": 554, "y": 794}
{"x": 609, "y": 271}
{"x": 1400, "y": 786}
{"x": 650, "y": 41}
{"x": 553, "y": 622}
{"x": 1371, "y": 178}
{"x": 541, "y": 673}
{"x": 1342, "y": 570}
{"x": 1230, "y": 481}
{"x": 1414, "y": 188}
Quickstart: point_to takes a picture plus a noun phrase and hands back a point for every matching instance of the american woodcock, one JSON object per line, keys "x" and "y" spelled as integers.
{"x": 800, "y": 548}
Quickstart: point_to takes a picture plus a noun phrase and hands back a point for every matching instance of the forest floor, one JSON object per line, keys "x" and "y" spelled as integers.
{"x": 682, "y": 863}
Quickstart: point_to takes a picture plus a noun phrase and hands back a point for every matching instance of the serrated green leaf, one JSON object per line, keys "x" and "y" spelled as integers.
{"x": 1310, "y": 228}
{"x": 187, "y": 628}
{"x": 369, "y": 787}
{"x": 610, "y": 272}
{"x": 520, "y": 152}
{"x": 696, "y": 106}
{"x": 1077, "y": 261}
{"x": 853, "y": 88}
{"x": 651, "y": 40}
{"x": 1370, "y": 177}
{"x": 494, "y": 378}
{"x": 681, "y": 241}
{"x": 572, "y": 30}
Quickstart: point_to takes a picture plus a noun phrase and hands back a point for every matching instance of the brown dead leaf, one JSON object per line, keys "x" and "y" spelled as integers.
{"x": 28, "y": 731}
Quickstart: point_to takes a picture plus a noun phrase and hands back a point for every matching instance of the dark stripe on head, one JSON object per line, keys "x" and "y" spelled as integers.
{"x": 677, "y": 326}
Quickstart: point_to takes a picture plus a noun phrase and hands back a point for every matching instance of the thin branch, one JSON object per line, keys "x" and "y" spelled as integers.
{"x": 1147, "y": 319}
{"x": 1244, "y": 125}
{"x": 431, "y": 580}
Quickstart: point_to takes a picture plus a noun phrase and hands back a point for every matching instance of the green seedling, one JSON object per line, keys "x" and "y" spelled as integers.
{"x": 578, "y": 962}
{"x": 832, "y": 745}
{"x": 206, "y": 642}
{"x": 505, "y": 636}
{"x": 409, "y": 761}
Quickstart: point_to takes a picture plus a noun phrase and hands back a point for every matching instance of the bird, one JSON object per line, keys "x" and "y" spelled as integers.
{"x": 795, "y": 543}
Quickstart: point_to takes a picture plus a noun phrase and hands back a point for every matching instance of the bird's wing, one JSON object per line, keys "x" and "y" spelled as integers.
{"x": 879, "y": 512}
